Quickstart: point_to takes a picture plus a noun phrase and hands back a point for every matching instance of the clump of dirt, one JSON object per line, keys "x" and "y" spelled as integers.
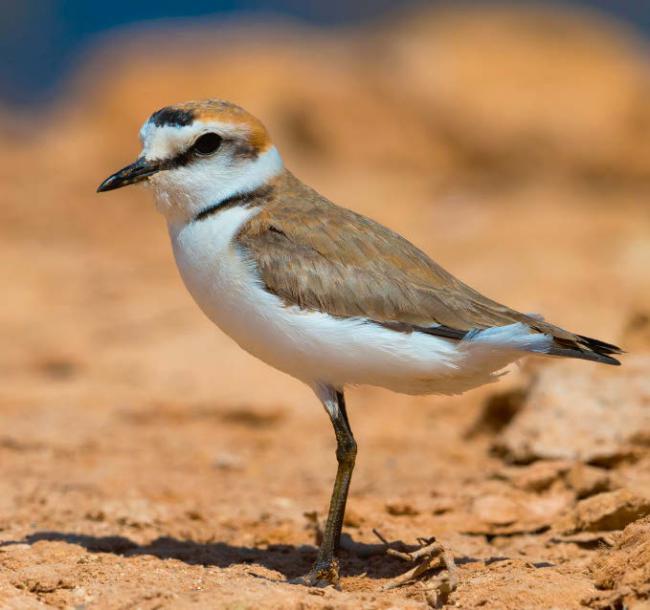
{"x": 623, "y": 573}
{"x": 605, "y": 512}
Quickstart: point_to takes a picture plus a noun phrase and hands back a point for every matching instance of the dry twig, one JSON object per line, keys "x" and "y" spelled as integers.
{"x": 428, "y": 550}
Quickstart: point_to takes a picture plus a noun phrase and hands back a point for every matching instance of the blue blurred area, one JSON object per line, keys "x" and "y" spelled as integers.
{"x": 41, "y": 40}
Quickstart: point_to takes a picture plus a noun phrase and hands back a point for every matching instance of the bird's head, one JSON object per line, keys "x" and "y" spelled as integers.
{"x": 197, "y": 154}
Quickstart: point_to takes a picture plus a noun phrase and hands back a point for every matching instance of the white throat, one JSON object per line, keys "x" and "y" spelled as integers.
{"x": 182, "y": 193}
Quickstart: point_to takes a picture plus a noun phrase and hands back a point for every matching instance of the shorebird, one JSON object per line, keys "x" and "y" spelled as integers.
{"x": 318, "y": 291}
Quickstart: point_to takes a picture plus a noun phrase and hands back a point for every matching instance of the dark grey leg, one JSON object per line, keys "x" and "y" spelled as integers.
{"x": 326, "y": 568}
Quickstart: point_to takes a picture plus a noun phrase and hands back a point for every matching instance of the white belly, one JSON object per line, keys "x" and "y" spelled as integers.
{"x": 316, "y": 347}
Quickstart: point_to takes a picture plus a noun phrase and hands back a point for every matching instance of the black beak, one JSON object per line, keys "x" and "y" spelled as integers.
{"x": 136, "y": 172}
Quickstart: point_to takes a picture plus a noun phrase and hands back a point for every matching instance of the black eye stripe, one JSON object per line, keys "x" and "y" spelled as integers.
{"x": 189, "y": 155}
{"x": 207, "y": 144}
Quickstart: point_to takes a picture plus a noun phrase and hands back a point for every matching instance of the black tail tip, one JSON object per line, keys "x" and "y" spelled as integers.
{"x": 601, "y": 347}
{"x": 586, "y": 348}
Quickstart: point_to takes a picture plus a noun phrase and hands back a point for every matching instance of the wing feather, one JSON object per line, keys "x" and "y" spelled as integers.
{"x": 319, "y": 256}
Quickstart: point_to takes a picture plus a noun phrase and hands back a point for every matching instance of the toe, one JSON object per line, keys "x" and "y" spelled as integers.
{"x": 323, "y": 574}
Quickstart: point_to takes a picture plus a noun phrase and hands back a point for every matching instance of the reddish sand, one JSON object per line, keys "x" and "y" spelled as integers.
{"x": 147, "y": 462}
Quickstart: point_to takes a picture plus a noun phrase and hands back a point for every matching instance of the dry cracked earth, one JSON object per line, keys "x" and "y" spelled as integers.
{"x": 147, "y": 462}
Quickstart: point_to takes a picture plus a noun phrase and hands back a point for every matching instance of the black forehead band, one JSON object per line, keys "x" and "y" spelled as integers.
{"x": 173, "y": 117}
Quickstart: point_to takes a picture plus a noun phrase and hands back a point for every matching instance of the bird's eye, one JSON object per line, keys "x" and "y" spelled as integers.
{"x": 207, "y": 144}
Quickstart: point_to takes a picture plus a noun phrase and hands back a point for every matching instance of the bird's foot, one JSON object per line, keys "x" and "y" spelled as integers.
{"x": 324, "y": 573}
{"x": 429, "y": 554}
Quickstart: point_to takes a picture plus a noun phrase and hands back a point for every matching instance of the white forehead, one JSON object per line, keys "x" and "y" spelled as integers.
{"x": 167, "y": 141}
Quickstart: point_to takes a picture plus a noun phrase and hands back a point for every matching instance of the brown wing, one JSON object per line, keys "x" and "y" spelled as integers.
{"x": 319, "y": 256}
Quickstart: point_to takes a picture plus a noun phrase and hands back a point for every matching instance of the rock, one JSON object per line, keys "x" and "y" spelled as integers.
{"x": 605, "y": 512}
{"x": 578, "y": 412}
{"x": 624, "y": 571}
{"x": 537, "y": 477}
{"x": 514, "y": 512}
{"x": 401, "y": 509}
{"x": 497, "y": 510}
{"x": 587, "y": 539}
{"x": 587, "y": 480}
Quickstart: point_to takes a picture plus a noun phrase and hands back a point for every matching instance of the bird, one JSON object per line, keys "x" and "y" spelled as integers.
{"x": 318, "y": 291}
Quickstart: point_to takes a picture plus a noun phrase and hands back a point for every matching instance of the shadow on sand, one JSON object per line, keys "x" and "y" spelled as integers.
{"x": 289, "y": 560}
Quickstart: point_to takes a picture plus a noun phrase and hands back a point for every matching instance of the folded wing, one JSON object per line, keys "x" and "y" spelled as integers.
{"x": 321, "y": 257}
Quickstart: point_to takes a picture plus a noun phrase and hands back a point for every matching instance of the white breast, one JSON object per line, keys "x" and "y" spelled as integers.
{"x": 316, "y": 347}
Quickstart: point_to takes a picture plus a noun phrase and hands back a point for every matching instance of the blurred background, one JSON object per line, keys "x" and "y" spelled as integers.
{"x": 45, "y": 40}
{"x": 510, "y": 141}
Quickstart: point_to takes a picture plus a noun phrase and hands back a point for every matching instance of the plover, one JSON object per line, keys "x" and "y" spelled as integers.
{"x": 318, "y": 291}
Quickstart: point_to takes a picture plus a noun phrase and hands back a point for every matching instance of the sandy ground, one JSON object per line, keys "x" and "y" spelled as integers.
{"x": 147, "y": 462}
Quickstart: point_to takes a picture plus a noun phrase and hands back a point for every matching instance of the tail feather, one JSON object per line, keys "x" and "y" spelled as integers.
{"x": 586, "y": 348}
{"x": 562, "y": 342}
{"x": 600, "y": 346}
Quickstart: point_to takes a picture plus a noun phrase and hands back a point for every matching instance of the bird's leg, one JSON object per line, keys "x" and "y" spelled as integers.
{"x": 325, "y": 570}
